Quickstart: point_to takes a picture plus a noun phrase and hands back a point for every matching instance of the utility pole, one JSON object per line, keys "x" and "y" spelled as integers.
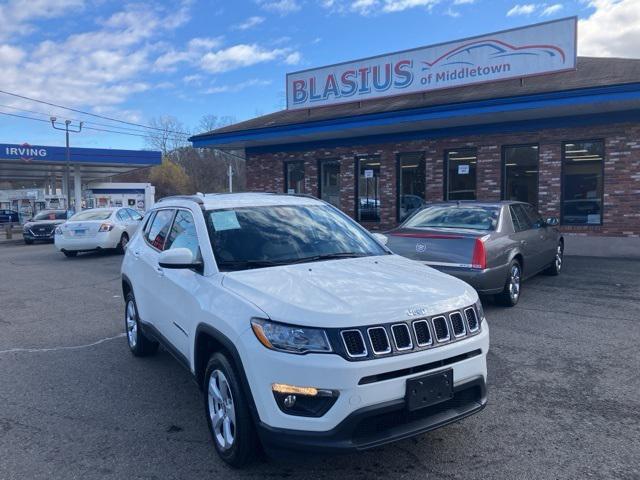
{"x": 230, "y": 175}
{"x": 67, "y": 124}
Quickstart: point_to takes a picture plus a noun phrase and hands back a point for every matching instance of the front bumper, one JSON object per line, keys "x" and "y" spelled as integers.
{"x": 380, "y": 424}
{"x": 357, "y": 398}
{"x": 46, "y": 238}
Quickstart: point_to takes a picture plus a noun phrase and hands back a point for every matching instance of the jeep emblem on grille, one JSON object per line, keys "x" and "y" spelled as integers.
{"x": 417, "y": 311}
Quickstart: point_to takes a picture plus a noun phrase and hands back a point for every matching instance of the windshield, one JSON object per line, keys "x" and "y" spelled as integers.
{"x": 254, "y": 237}
{"x": 92, "y": 215}
{"x": 455, "y": 216}
{"x": 51, "y": 215}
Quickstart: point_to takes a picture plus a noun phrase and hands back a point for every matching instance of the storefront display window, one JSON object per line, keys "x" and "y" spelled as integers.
{"x": 582, "y": 182}
{"x": 368, "y": 185}
{"x": 460, "y": 165}
{"x": 520, "y": 163}
{"x": 411, "y": 183}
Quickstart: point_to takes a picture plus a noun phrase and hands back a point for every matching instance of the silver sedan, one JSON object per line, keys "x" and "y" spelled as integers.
{"x": 491, "y": 246}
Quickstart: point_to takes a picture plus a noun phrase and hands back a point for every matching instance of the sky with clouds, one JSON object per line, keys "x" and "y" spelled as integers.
{"x": 189, "y": 58}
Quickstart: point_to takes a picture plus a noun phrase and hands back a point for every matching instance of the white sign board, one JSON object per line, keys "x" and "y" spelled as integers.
{"x": 463, "y": 169}
{"x": 368, "y": 174}
{"x": 537, "y": 49}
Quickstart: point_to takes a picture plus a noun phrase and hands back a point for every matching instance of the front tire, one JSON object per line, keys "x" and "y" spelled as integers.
{"x": 139, "y": 344}
{"x": 555, "y": 268}
{"x": 68, "y": 253}
{"x": 228, "y": 416}
{"x": 28, "y": 242}
{"x": 511, "y": 293}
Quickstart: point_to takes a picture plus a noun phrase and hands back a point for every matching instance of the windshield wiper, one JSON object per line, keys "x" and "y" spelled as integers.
{"x": 246, "y": 264}
{"x": 328, "y": 256}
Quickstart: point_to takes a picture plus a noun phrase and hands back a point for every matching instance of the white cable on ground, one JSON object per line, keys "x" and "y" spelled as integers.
{"x": 55, "y": 349}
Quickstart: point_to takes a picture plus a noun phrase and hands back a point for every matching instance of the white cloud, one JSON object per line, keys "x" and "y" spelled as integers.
{"x": 237, "y": 87}
{"x": 375, "y": 7}
{"x": 249, "y": 23}
{"x": 241, "y": 55}
{"x": 463, "y": 2}
{"x": 17, "y": 16}
{"x": 400, "y": 5}
{"x": 195, "y": 49}
{"x": 524, "y": 9}
{"x": 452, "y": 13}
{"x": 551, "y": 9}
{"x": 293, "y": 58}
{"x": 612, "y": 30}
{"x": 282, "y": 7}
{"x": 99, "y": 68}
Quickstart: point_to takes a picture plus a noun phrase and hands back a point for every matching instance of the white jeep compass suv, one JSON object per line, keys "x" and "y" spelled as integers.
{"x": 303, "y": 330}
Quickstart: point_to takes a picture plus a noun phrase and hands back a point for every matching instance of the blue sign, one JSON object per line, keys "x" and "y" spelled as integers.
{"x": 42, "y": 154}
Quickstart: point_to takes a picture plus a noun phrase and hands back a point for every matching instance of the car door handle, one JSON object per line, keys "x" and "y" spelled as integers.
{"x": 160, "y": 271}
{"x": 136, "y": 253}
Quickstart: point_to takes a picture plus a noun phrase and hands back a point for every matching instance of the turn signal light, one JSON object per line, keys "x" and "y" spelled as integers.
{"x": 284, "y": 388}
{"x": 479, "y": 259}
{"x": 106, "y": 227}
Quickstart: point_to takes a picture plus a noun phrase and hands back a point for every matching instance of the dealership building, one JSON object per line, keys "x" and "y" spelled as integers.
{"x": 509, "y": 115}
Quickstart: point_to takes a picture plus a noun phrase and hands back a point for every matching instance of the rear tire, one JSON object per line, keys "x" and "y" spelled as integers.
{"x": 555, "y": 268}
{"x": 139, "y": 344}
{"x": 122, "y": 244}
{"x": 68, "y": 253}
{"x": 227, "y": 411}
{"x": 511, "y": 293}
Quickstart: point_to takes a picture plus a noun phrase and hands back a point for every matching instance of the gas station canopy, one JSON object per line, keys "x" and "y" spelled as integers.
{"x": 44, "y": 163}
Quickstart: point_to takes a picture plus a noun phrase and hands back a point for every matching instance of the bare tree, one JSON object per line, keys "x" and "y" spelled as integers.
{"x": 168, "y": 134}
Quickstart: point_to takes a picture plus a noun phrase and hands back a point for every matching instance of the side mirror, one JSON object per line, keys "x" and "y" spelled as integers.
{"x": 552, "y": 221}
{"x": 179, "y": 258}
{"x": 383, "y": 239}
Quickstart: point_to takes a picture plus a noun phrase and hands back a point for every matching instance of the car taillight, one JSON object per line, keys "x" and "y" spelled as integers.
{"x": 106, "y": 227}
{"x": 479, "y": 259}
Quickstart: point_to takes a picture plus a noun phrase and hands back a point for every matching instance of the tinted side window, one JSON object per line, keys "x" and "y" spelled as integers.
{"x": 123, "y": 215}
{"x": 183, "y": 233}
{"x": 533, "y": 216}
{"x": 134, "y": 215}
{"x": 159, "y": 229}
{"x": 520, "y": 220}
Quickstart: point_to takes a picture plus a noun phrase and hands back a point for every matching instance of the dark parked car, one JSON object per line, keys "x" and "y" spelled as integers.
{"x": 43, "y": 225}
{"x": 9, "y": 216}
{"x": 492, "y": 246}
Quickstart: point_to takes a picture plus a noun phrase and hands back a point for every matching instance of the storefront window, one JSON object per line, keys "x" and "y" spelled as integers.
{"x": 411, "y": 183}
{"x": 460, "y": 167}
{"x": 368, "y": 203}
{"x": 294, "y": 177}
{"x": 582, "y": 183}
{"x": 520, "y": 173}
{"x": 330, "y": 182}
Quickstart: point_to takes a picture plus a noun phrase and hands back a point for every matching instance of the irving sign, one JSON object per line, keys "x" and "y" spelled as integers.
{"x": 533, "y": 50}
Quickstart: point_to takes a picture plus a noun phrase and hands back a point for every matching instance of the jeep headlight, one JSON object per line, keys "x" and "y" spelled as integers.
{"x": 290, "y": 338}
{"x": 480, "y": 311}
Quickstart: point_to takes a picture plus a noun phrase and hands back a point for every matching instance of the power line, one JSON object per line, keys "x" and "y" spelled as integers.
{"x": 87, "y": 128}
{"x": 48, "y": 115}
{"x": 111, "y": 119}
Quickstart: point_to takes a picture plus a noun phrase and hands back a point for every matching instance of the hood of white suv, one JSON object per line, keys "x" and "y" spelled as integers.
{"x": 350, "y": 292}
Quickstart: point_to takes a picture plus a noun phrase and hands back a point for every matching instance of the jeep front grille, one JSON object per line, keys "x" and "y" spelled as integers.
{"x": 401, "y": 336}
{"x": 472, "y": 318}
{"x": 379, "y": 340}
{"x": 441, "y": 329}
{"x": 370, "y": 341}
{"x": 458, "y": 324}
{"x": 423, "y": 334}
{"x": 354, "y": 343}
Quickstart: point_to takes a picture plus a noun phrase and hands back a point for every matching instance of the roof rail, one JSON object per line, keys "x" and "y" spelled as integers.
{"x": 192, "y": 198}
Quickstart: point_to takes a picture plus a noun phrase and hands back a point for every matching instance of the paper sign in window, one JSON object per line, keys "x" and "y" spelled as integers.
{"x": 225, "y": 220}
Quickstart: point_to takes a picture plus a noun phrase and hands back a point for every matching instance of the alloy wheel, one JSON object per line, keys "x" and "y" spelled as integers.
{"x": 132, "y": 324}
{"x": 514, "y": 282}
{"x": 221, "y": 410}
{"x": 559, "y": 258}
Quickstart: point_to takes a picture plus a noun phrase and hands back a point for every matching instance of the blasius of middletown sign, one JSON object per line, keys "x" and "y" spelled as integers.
{"x": 533, "y": 50}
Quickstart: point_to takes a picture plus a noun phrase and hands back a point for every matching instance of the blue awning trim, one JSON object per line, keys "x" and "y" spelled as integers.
{"x": 576, "y": 97}
{"x": 484, "y": 129}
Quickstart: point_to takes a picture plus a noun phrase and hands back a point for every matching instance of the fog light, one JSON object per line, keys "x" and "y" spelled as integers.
{"x": 303, "y": 401}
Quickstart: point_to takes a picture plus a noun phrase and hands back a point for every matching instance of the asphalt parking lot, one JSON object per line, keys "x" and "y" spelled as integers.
{"x": 564, "y": 379}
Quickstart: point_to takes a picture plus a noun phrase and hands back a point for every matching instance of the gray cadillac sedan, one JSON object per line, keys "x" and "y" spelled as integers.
{"x": 491, "y": 246}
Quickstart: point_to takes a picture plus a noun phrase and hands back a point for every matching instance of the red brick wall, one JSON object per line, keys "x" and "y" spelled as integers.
{"x": 621, "y": 171}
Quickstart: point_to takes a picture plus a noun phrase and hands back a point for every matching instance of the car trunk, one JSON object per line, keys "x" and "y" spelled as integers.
{"x": 82, "y": 229}
{"x": 440, "y": 246}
